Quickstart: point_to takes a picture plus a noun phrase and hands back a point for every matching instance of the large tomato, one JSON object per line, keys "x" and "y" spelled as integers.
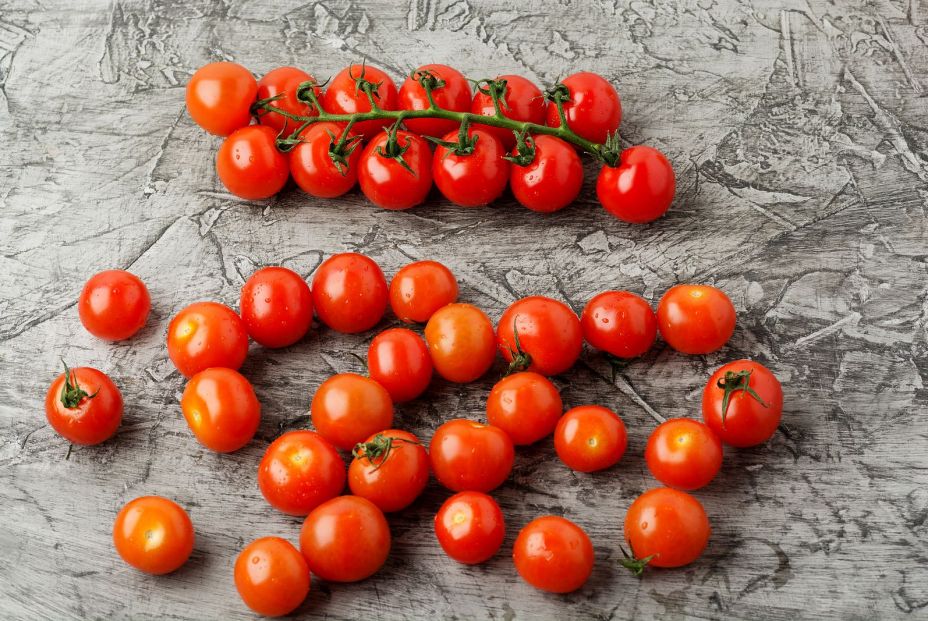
{"x": 667, "y": 525}
{"x": 386, "y": 181}
{"x": 276, "y": 306}
{"x": 552, "y": 180}
{"x": 553, "y": 554}
{"x": 473, "y": 178}
{"x": 349, "y": 292}
{"x": 619, "y": 323}
{"x": 696, "y": 319}
{"x": 743, "y": 403}
{"x": 284, "y": 81}
{"x": 313, "y": 167}
{"x": 539, "y": 334}
{"x": 593, "y": 110}
{"x": 461, "y": 342}
{"x": 299, "y": 471}
{"x": 345, "y": 539}
{"x": 527, "y": 406}
{"x": 522, "y": 101}
{"x": 153, "y": 534}
{"x": 204, "y": 335}
{"x": 453, "y": 94}
{"x": 390, "y": 468}
{"x": 114, "y": 305}
{"x": 467, "y": 455}
{"x": 249, "y": 164}
{"x": 347, "y": 408}
{"x": 219, "y": 97}
{"x": 640, "y": 188}
{"x": 271, "y": 576}
{"x": 221, "y": 409}
{"x": 421, "y": 288}
{"x": 83, "y": 406}
{"x": 398, "y": 359}
{"x": 344, "y": 97}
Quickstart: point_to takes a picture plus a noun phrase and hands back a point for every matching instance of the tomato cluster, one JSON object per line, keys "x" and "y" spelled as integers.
{"x": 395, "y": 143}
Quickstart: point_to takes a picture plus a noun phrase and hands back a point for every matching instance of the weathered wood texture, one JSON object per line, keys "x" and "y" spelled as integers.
{"x": 799, "y": 132}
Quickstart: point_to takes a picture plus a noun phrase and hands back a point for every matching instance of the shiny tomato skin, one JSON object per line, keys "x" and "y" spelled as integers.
{"x": 552, "y": 180}
{"x": 461, "y": 342}
{"x": 219, "y": 97}
{"x": 285, "y": 80}
{"x": 421, "y": 288}
{"x": 271, "y": 576}
{"x": 454, "y": 95}
{"x": 97, "y": 415}
{"x": 470, "y": 456}
{"x": 549, "y": 332}
{"x": 385, "y": 182}
{"x": 343, "y": 97}
{"x": 474, "y": 179}
{"x": 398, "y": 359}
{"x": 249, "y": 164}
{"x": 696, "y": 319}
{"x": 313, "y": 168}
{"x": 347, "y": 408}
{"x": 345, "y": 539}
{"x": 590, "y": 438}
{"x": 300, "y": 470}
{"x": 747, "y": 421}
{"x": 114, "y": 305}
{"x": 640, "y": 189}
{"x": 553, "y": 554}
{"x": 349, "y": 292}
{"x": 683, "y": 453}
{"x": 523, "y": 102}
{"x": 594, "y": 111}
{"x": 619, "y": 323}
{"x": 205, "y": 335}
{"x": 525, "y": 405}
{"x": 221, "y": 409}
{"x": 669, "y": 524}
{"x": 153, "y": 534}
{"x": 393, "y": 480}
{"x": 470, "y": 527}
{"x": 276, "y": 306}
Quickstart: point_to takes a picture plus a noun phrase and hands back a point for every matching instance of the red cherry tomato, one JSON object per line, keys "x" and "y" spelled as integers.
{"x": 114, "y": 305}
{"x": 470, "y": 527}
{"x": 523, "y": 102}
{"x": 271, "y": 576}
{"x": 470, "y": 456}
{"x": 752, "y": 412}
{"x": 619, "y": 323}
{"x": 526, "y": 406}
{"x": 549, "y": 335}
{"x": 219, "y": 97}
{"x": 553, "y": 554}
{"x": 204, "y": 335}
{"x": 345, "y": 539}
{"x": 669, "y": 525}
{"x": 153, "y": 534}
{"x": 83, "y": 406}
{"x": 390, "y": 469}
{"x": 399, "y": 360}
{"x": 461, "y": 342}
{"x": 683, "y": 453}
{"x": 453, "y": 95}
{"x": 285, "y": 81}
{"x": 221, "y": 409}
{"x": 313, "y": 168}
{"x": 471, "y": 179}
{"x": 299, "y": 471}
{"x": 347, "y": 408}
{"x": 344, "y": 97}
{"x": 385, "y": 181}
{"x": 695, "y": 319}
{"x": 594, "y": 110}
{"x": 640, "y": 189}
{"x": 249, "y": 164}
{"x": 277, "y": 306}
{"x": 421, "y": 288}
{"x": 590, "y": 438}
{"x": 349, "y": 293}
{"x": 552, "y": 180}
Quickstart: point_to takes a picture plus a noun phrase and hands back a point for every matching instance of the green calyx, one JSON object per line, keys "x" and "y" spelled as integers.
{"x": 633, "y": 564}
{"x": 521, "y": 359}
{"x": 71, "y": 393}
{"x": 392, "y": 150}
{"x": 378, "y": 449}
{"x": 736, "y": 380}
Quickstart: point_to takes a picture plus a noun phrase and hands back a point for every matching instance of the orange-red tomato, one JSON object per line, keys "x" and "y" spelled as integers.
{"x": 114, "y": 305}
{"x": 594, "y": 110}
{"x": 552, "y": 180}
{"x": 153, "y": 534}
{"x": 83, "y": 406}
{"x": 683, "y": 453}
{"x": 344, "y": 97}
{"x": 345, "y": 539}
{"x": 348, "y": 408}
{"x": 390, "y": 184}
{"x": 284, "y": 81}
{"x": 526, "y": 405}
{"x": 453, "y": 95}
{"x": 219, "y": 97}
{"x": 754, "y": 407}
{"x": 221, "y": 409}
{"x": 471, "y": 179}
{"x": 271, "y": 576}
{"x": 639, "y": 188}
{"x": 669, "y": 525}
{"x": 470, "y": 527}
{"x": 205, "y": 335}
{"x": 312, "y": 166}
{"x": 696, "y": 319}
{"x": 349, "y": 292}
{"x": 276, "y": 306}
{"x": 553, "y": 554}
{"x": 421, "y": 288}
{"x": 399, "y": 360}
{"x": 549, "y": 335}
{"x": 468, "y": 455}
{"x": 390, "y": 468}
{"x": 590, "y": 438}
{"x": 461, "y": 342}
{"x": 299, "y": 471}
{"x": 619, "y": 323}
{"x": 250, "y": 165}
{"x": 523, "y": 101}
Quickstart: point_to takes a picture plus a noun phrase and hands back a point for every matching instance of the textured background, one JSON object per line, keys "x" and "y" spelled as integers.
{"x": 799, "y": 132}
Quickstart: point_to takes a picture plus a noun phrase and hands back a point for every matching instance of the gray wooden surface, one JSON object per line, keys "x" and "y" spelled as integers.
{"x": 799, "y": 132}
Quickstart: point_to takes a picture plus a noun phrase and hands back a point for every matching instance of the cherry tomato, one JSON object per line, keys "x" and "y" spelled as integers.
{"x": 399, "y": 360}
{"x": 285, "y": 80}
{"x": 83, "y": 406}
{"x": 590, "y": 438}
{"x": 219, "y": 97}
{"x": 345, "y": 539}
{"x": 344, "y": 97}
{"x": 552, "y": 180}
{"x": 461, "y": 342}
{"x": 470, "y": 527}
{"x": 549, "y": 335}
{"x": 667, "y": 524}
{"x": 421, "y": 288}
{"x": 221, "y": 409}
{"x": 249, "y": 164}
{"x": 640, "y": 189}
{"x": 594, "y": 110}
{"x": 271, "y": 576}
{"x": 114, "y": 305}
{"x": 683, "y": 453}
{"x": 204, "y": 335}
{"x": 619, "y": 323}
{"x": 695, "y": 319}
{"x": 453, "y": 95}
{"x": 522, "y": 102}
{"x": 471, "y": 179}
{"x": 153, "y": 534}
{"x": 390, "y": 469}
{"x": 553, "y": 554}
{"x": 385, "y": 181}
{"x": 470, "y": 456}
{"x": 349, "y": 293}
{"x": 743, "y": 403}
{"x": 313, "y": 168}
{"x": 526, "y": 406}
{"x": 299, "y": 471}
{"x": 277, "y": 306}
{"x": 347, "y": 408}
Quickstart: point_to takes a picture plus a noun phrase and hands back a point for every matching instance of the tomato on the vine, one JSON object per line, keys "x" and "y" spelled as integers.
{"x": 284, "y": 81}
{"x": 470, "y": 456}
{"x": 522, "y": 102}
{"x": 421, "y": 288}
{"x": 219, "y": 97}
{"x": 619, "y": 323}
{"x": 695, "y": 319}
{"x": 667, "y": 525}
{"x": 347, "y": 408}
{"x": 470, "y": 527}
{"x": 461, "y": 342}
{"x": 271, "y": 576}
{"x": 343, "y": 96}
{"x": 553, "y": 554}
{"x": 153, "y": 534}
{"x": 590, "y": 438}
{"x": 390, "y": 468}
{"x": 276, "y": 306}
{"x": 453, "y": 95}
{"x": 349, "y": 292}
{"x": 204, "y": 335}
{"x": 389, "y": 182}
{"x": 221, "y": 408}
{"x": 250, "y": 165}
{"x": 552, "y": 180}
{"x": 683, "y": 453}
{"x": 345, "y": 539}
{"x": 83, "y": 406}
{"x": 114, "y": 305}
{"x": 525, "y": 405}
{"x": 314, "y": 168}
{"x": 743, "y": 403}
{"x": 300, "y": 470}
{"x": 593, "y": 109}
{"x": 640, "y": 188}
{"x": 478, "y": 175}
{"x": 539, "y": 334}
{"x": 398, "y": 359}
